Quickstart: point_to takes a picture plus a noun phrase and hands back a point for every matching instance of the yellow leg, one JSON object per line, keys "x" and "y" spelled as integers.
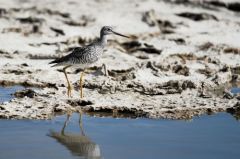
{"x": 81, "y": 84}
{"x": 69, "y": 92}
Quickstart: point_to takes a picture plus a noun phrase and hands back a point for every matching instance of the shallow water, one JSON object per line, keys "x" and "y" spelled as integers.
{"x": 235, "y": 90}
{"x": 215, "y": 136}
{"x": 6, "y": 92}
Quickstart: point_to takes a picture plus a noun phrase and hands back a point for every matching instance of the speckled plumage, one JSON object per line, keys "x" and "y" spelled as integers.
{"x": 82, "y": 56}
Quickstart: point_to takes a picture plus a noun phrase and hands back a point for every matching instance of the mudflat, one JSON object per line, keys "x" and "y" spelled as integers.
{"x": 181, "y": 61}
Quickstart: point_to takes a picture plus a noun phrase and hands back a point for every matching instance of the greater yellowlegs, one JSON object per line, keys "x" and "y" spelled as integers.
{"x": 83, "y": 57}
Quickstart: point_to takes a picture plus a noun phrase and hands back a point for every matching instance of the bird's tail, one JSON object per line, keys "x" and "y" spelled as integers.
{"x": 57, "y": 62}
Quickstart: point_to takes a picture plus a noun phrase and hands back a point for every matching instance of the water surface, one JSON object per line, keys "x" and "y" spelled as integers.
{"x": 215, "y": 136}
{"x": 6, "y": 92}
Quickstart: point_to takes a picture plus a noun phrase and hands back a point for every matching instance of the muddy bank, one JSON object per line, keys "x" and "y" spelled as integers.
{"x": 181, "y": 61}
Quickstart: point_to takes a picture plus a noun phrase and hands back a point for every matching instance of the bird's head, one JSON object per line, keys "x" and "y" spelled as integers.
{"x": 107, "y": 30}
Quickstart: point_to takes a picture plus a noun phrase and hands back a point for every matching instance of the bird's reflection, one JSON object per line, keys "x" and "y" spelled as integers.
{"x": 79, "y": 144}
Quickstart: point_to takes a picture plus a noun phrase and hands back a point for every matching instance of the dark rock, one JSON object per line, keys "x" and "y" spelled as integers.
{"x": 51, "y": 85}
{"x": 134, "y": 46}
{"x": 84, "y": 20}
{"x": 235, "y": 77}
{"x": 3, "y": 11}
{"x": 197, "y": 16}
{"x": 206, "y": 46}
{"x": 122, "y": 75}
{"x": 238, "y": 97}
{"x": 57, "y": 109}
{"x": 151, "y": 65}
{"x": 188, "y": 84}
{"x": 30, "y": 20}
{"x": 178, "y": 41}
{"x": 231, "y": 110}
{"x": 216, "y": 3}
{"x": 74, "y": 23}
{"x": 227, "y": 94}
{"x": 235, "y": 110}
{"x": 149, "y": 18}
{"x": 131, "y": 45}
{"x": 210, "y": 111}
{"x": 24, "y": 64}
{"x": 235, "y": 6}
{"x": 185, "y": 57}
{"x": 172, "y": 84}
{"x": 152, "y": 91}
{"x": 3, "y": 52}
{"x": 236, "y": 70}
{"x": 143, "y": 57}
{"x": 181, "y": 70}
{"x": 2, "y": 108}
{"x": 206, "y": 71}
{"x": 225, "y": 68}
{"x": 174, "y": 91}
{"x": 167, "y": 31}
{"x": 165, "y": 24}
{"x": 27, "y": 92}
{"x": 58, "y": 31}
{"x": 79, "y": 102}
{"x": 35, "y": 29}
{"x": 52, "y": 12}
{"x": 232, "y": 50}
{"x": 18, "y": 72}
{"x": 150, "y": 50}
{"x": 182, "y": 1}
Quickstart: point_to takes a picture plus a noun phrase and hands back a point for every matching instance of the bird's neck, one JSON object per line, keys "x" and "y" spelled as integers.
{"x": 103, "y": 40}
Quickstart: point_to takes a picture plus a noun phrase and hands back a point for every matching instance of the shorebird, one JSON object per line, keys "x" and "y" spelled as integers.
{"x": 83, "y": 57}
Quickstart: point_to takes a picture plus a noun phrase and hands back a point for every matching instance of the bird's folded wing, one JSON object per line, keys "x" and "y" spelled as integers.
{"x": 77, "y": 52}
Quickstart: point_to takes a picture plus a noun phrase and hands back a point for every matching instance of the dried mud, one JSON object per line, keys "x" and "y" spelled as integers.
{"x": 181, "y": 61}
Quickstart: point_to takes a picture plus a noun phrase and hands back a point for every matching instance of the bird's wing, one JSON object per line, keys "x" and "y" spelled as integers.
{"x": 81, "y": 51}
{"x": 76, "y": 53}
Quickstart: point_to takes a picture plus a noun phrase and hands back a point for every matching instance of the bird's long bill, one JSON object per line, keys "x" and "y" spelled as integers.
{"x": 120, "y": 34}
